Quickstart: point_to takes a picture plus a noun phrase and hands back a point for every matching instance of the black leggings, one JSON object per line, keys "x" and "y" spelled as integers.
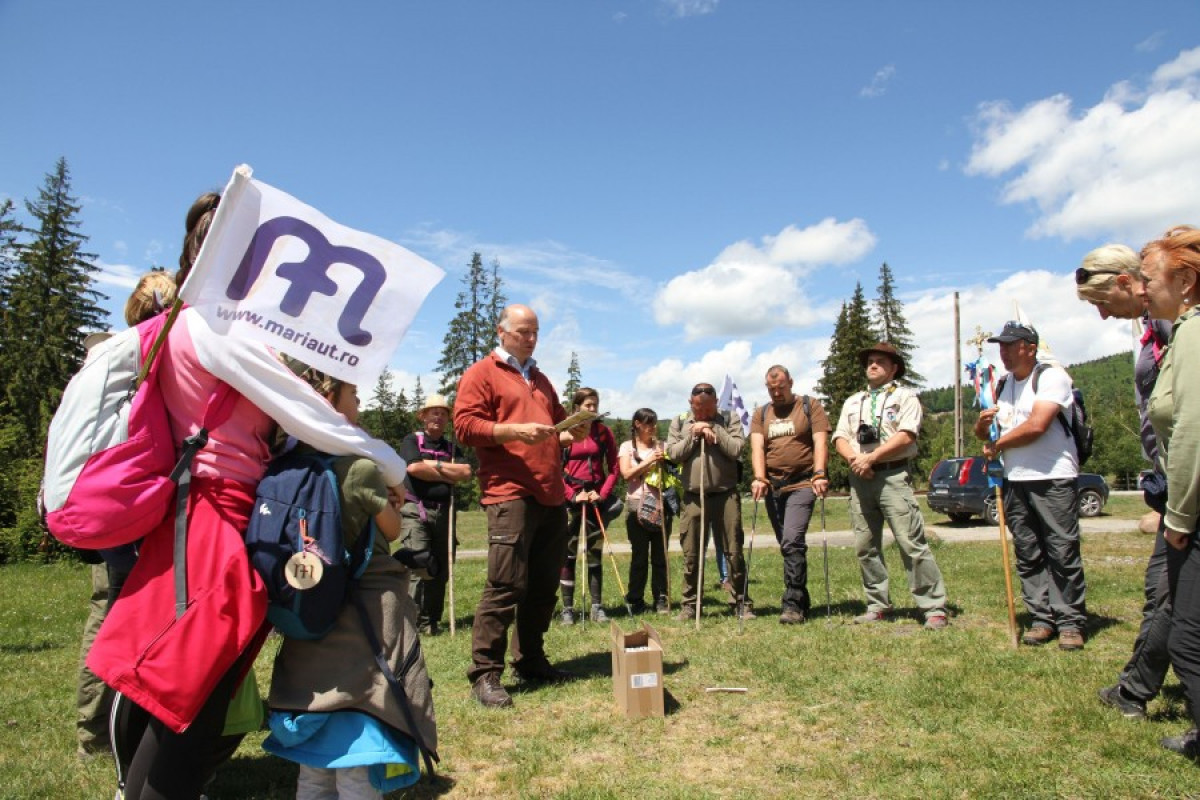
{"x": 175, "y": 766}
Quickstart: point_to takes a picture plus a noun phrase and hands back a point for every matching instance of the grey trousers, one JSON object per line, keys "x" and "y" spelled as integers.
{"x": 1143, "y": 676}
{"x": 1044, "y": 519}
{"x": 888, "y": 496}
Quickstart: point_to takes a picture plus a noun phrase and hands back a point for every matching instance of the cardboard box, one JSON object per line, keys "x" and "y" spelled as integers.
{"x": 637, "y": 668}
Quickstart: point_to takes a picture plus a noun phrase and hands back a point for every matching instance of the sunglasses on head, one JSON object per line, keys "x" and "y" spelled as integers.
{"x": 1083, "y": 275}
{"x": 704, "y": 390}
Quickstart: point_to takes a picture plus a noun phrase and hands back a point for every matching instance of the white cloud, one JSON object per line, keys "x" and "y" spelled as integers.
{"x": 121, "y": 276}
{"x": 689, "y": 8}
{"x": 1127, "y": 167}
{"x": 1151, "y": 42}
{"x": 750, "y": 289}
{"x": 879, "y": 82}
{"x": 1071, "y": 328}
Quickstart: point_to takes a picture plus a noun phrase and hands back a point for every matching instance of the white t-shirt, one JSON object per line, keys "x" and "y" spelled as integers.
{"x": 1052, "y": 455}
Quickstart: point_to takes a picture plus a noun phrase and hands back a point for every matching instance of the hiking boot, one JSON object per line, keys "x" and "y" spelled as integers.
{"x": 542, "y": 671}
{"x": 791, "y": 617}
{"x": 1129, "y": 707}
{"x": 869, "y": 618}
{"x": 1187, "y": 744}
{"x": 488, "y": 691}
{"x": 598, "y": 614}
{"x": 1038, "y": 635}
{"x": 1070, "y": 640}
{"x": 568, "y": 616}
{"x": 686, "y": 613}
{"x": 637, "y": 608}
{"x": 728, "y": 587}
{"x": 746, "y": 611}
{"x": 936, "y": 622}
{"x": 661, "y": 606}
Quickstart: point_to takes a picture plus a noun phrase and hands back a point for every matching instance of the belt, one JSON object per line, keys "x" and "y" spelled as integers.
{"x": 882, "y": 465}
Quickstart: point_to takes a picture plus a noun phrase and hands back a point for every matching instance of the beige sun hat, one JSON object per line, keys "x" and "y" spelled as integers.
{"x": 434, "y": 401}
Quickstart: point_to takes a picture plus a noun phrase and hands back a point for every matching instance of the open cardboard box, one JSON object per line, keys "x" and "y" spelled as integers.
{"x": 637, "y": 668}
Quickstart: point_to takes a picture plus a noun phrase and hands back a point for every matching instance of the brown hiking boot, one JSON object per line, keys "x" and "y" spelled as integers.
{"x": 542, "y": 671}
{"x": 686, "y": 613}
{"x": 488, "y": 691}
{"x": 1039, "y": 634}
{"x": 1070, "y": 640}
{"x": 791, "y": 617}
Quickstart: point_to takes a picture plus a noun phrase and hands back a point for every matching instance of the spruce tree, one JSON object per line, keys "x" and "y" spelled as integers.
{"x": 843, "y": 373}
{"x": 893, "y": 328}
{"x": 574, "y": 379}
{"x": 418, "y": 397}
{"x": 472, "y": 332}
{"x": 50, "y": 306}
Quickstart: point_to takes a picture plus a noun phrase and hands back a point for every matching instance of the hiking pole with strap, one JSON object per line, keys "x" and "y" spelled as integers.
{"x": 612, "y": 558}
{"x": 702, "y": 545}
{"x": 749, "y": 561}
{"x": 825, "y": 564}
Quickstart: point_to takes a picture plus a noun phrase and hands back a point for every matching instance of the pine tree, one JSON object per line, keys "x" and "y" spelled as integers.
{"x": 418, "y": 397}
{"x": 50, "y": 306}
{"x": 574, "y": 379}
{"x": 843, "y": 372}
{"x": 893, "y": 328}
{"x": 472, "y": 332}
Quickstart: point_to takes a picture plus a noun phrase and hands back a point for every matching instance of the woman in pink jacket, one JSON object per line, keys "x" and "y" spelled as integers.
{"x": 184, "y": 669}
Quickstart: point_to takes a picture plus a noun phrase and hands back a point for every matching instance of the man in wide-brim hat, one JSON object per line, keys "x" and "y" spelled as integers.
{"x": 877, "y": 435}
{"x": 434, "y": 466}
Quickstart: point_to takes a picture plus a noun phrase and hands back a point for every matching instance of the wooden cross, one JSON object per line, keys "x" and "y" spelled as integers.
{"x": 979, "y": 338}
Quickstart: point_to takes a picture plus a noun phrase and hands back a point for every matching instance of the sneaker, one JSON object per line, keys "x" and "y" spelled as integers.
{"x": 936, "y": 622}
{"x": 1186, "y": 745}
{"x": 686, "y": 613}
{"x": 567, "y": 617}
{"x": 598, "y": 614}
{"x": 1070, "y": 640}
{"x": 1037, "y": 635}
{"x": 1129, "y": 707}
{"x": 869, "y": 618}
{"x": 791, "y": 617}
{"x": 661, "y": 606}
{"x": 488, "y": 691}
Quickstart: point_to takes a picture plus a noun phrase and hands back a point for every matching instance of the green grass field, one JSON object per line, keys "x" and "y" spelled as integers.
{"x": 832, "y": 709}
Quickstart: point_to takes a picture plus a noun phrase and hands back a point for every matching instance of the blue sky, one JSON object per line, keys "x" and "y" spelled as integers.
{"x": 680, "y": 189}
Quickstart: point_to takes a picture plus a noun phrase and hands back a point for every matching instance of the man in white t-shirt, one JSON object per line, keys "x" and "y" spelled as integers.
{"x": 1040, "y": 495}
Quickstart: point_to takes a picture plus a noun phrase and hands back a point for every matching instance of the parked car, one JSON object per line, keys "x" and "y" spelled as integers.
{"x": 958, "y": 488}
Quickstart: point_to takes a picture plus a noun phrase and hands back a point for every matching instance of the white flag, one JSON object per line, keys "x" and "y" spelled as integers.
{"x": 731, "y": 400}
{"x": 278, "y": 271}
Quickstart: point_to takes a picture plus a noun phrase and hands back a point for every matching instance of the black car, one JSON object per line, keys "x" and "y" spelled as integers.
{"x": 958, "y": 488}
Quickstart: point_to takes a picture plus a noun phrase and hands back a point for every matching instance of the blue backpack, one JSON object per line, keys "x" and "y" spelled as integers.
{"x": 295, "y": 542}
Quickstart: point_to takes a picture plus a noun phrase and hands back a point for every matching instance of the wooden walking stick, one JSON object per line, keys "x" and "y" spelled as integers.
{"x": 702, "y": 545}
{"x": 666, "y": 539}
{"x": 581, "y": 555}
{"x": 612, "y": 558}
{"x": 450, "y": 561}
{"x": 1008, "y": 586}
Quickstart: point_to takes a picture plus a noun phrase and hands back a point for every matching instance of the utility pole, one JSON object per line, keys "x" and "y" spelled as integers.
{"x": 958, "y": 409}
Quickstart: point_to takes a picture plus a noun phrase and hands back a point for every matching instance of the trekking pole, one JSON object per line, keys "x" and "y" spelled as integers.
{"x": 612, "y": 558}
{"x": 702, "y": 545}
{"x": 749, "y": 561}
{"x": 450, "y": 559}
{"x": 666, "y": 543}
{"x": 1008, "y": 587}
{"x": 825, "y": 565}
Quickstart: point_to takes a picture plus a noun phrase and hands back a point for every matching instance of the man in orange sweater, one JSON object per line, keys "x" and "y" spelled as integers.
{"x": 506, "y": 409}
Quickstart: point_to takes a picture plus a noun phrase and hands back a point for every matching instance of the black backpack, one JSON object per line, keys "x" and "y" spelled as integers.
{"x": 1076, "y": 425}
